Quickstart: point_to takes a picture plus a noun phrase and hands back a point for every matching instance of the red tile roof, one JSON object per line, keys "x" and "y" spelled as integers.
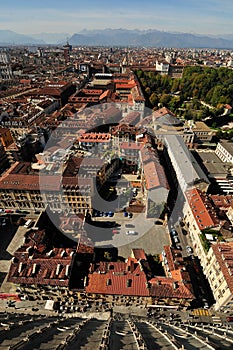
{"x": 224, "y": 255}
{"x": 129, "y": 278}
{"x": 138, "y": 254}
{"x": 161, "y": 112}
{"x": 118, "y": 278}
{"x": 163, "y": 287}
{"x": 222, "y": 201}
{"x": 35, "y": 263}
{"x": 131, "y": 145}
{"x": 95, "y": 137}
{"x": 155, "y": 175}
{"x": 202, "y": 209}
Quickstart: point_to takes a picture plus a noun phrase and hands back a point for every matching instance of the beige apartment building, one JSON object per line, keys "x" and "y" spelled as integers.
{"x": 21, "y": 188}
{"x": 219, "y": 271}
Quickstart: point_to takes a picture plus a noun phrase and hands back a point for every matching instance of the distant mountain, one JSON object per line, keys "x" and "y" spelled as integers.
{"x": 8, "y": 37}
{"x": 154, "y": 38}
{"x": 223, "y": 36}
{"x": 51, "y": 38}
{"x": 120, "y": 37}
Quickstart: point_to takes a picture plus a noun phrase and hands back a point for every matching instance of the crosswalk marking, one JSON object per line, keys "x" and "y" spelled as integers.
{"x": 201, "y": 312}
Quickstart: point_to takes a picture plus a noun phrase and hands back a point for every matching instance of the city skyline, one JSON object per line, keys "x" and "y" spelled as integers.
{"x": 26, "y": 17}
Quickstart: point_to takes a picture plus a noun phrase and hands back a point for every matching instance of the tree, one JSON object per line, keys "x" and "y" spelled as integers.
{"x": 165, "y": 99}
{"x": 153, "y": 99}
{"x": 107, "y": 256}
{"x": 148, "y": 91}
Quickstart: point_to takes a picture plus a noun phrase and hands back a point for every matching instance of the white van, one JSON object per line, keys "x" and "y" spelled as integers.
{"x": 28, "y": 223}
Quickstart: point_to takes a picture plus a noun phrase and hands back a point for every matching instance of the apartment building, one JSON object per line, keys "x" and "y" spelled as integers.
{"x": 130, "y": 282}
{"x": 200, "y": 215}
{"x": 163, "y": 122}
{"x": 224, "y": 151}
{"x": 203, "y": 134}
{"x": 219, "y": 271}
{"x": 22, "y": 188}
{"x": 40, "y": 267}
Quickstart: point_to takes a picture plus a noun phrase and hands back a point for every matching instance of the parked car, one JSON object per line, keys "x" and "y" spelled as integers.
{"x": 130, "y": 215}
{"x": 115, "y": 232}
{"x": 3, "y": 222}
{"x": 189, "y": 249}
{"x": 110, "y": 214}
{"x": 173, "y": 232}
{"x": 229, "y": 319}
{"x": 130, "y": 232}
{"x": 125, "y": 214}
{"x": 176, "y": 239}
{"x": 178, "y": 247}
{"x": 129, "y": 225}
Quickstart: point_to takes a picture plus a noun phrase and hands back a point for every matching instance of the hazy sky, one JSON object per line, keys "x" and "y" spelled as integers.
{"x": 198, "y": 16}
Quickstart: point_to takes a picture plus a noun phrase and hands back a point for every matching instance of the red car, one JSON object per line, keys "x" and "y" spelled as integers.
{"x": 8, "y": 211}
{"x": 115, "y": 232}
{"x": 229, "y": 319}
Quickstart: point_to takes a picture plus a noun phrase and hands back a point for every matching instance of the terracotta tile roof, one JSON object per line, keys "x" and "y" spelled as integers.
{"x": 172, "y": 258}
{"x": 131, "y": 145}
{"x": 202, "y": 209}
{"x": 95, "y": 137}
{"x": 3, "y": 131}
{"x": 148, "y": 154}
{"x": 35, "y": 263}
{"x": 30, "y": 182}
{"x": 131, "y": 118}
{"x": 162, "y": 111}
{"x": 106, "y": 94}
{"x": 163, "y": 287}
{"x": 126, "y": 86}
{"x": 155, "y": 175}
{"x": 224, "y": 255}
{"x": 222, "y": 201}
{"x": 138, "y": 254}
{"x": 18, "y": 178}
{"x": 129, "y": 278}
{"x": 125, "y": 128}
{"x": 145, "y": 121}
{"x": 118, "y": 279}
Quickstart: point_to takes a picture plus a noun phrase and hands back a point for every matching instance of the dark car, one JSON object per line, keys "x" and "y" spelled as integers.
{"x": 129, "y": 226}
{"x": 173, "y": 232}
{"x": 229, "y": 319}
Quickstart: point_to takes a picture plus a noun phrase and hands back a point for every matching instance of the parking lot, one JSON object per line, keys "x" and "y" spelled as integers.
{"x": 144, "y": 233}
